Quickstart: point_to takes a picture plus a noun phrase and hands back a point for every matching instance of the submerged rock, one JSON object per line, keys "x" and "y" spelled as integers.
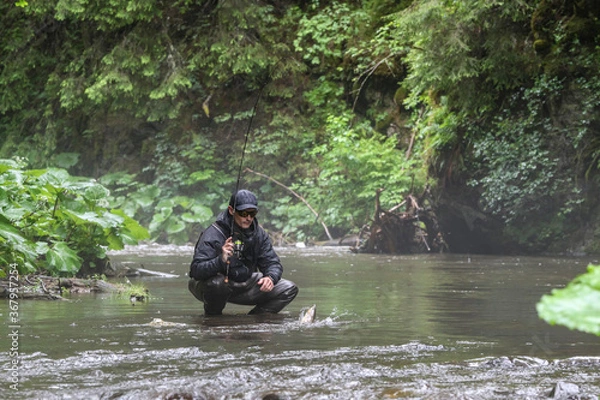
{"x": 159, "y": 323}
{"x": 565, "y": 391}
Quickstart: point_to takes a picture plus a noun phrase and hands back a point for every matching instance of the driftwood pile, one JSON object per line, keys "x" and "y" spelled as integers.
{"x": 414, "y": 230}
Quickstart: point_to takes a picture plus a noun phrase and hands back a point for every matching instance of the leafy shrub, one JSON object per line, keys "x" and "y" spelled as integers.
{"x": 169, "y": 219}
{"x": 354, "y": 163}
{"x": 521, "y": 167}
{"x": 521, "y": 175}
{"x": 323, "y": 37}
{"x": 54, "y": 222}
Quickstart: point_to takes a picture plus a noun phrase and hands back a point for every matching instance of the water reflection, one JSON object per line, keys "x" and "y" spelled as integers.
{"x": 433, "y": 326}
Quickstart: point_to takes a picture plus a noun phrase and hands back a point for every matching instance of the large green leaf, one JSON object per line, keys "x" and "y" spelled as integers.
{"x": 146, "y": 195}
{"x": 115, "y": 241}
{"x": 577, "y": 306}
{"x": 6, "y": 164}
{"x": 56, "y": 177}
{"x": 9, "y": 232}
{"x": 63, "y": 259}
{"x": 15, "y": 238}
{"x": 106, "y": 220}
{"x": 131, "y": 230}
{"x": 14, "y": 212}
{"x": 174, "y": 225}
{"x": 117, "y": 178}
{"x": 202, "y": 212}
{"x": 183, "y": 201}
{"x": 96, "y": 192}
{"x": 198, "y": 214}
{"x": 4, "y": 199}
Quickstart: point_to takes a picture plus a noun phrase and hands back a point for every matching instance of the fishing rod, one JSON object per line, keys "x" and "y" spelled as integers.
{"x": 239, "y": 175}
{"x": 238, "y": 245}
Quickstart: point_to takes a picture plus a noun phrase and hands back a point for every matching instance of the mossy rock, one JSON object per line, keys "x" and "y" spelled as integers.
{"x": 542, "y": 47}
{"x": 382, "y": 125}
{"x": 400, "y": 96}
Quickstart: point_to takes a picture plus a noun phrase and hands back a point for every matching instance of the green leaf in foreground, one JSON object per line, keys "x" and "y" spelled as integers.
{"x": 577, "y": 306}
{"x": 63, "y": 259}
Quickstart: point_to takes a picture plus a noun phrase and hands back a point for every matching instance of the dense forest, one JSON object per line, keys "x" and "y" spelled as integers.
{"x": 493, "y": 106}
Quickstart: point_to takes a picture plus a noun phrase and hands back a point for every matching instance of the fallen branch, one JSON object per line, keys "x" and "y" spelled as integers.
{"x": 148, "y": 272}
{"x": 297, "y": 196}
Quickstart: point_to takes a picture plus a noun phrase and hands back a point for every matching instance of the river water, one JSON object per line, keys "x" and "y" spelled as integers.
{"x": 388, "y": 327}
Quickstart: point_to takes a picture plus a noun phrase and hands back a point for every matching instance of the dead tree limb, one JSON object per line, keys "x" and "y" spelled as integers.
{"x": 297, "y": 196}
{"x": 414, "y": 230}
{"x": 412, "y": 136}
{"x": 368, "y": 74}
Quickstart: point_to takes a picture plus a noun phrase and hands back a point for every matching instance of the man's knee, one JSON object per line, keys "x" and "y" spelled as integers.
{"x": 195, "y": 288}
{"x": 287, "y": 289}
{"x": 214, "y": 287}
{"x": 285, "y": 292}
{"x": 289, "y": 295}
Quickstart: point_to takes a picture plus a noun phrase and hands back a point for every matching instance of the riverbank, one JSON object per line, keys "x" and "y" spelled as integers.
{"x": 42, "y": 287}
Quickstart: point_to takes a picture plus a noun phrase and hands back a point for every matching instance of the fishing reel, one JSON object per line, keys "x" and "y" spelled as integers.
{"x": 235, "y": 261}
{"x": 238, "y": 248}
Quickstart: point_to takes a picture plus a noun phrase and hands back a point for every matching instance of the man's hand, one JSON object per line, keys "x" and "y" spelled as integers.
{"x": 265, "y": 283}
{"x": 227, "y": 249}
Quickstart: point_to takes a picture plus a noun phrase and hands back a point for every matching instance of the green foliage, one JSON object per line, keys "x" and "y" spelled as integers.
{"x": 469, "y": 50}
{"x": 241, "y": 39}
{"x": 577, "y": 306}
{"x": 325, "y": 98}
{"x": 63, "y": 260}
{"x": 51, "y": 221}
{"x": 523, "y": 180}
{"x": 354, "y": 163}
{"x": 322, "y": 38}
{"x": 157, "y": 95}
{"x": 522, "y": 175}
{"x": 133, "y": 291}
{"x": 460, "y": 58}
{"x": 490, "y": 112}
{"x": 166, "y": 218}
{"x": 583, "y": 128}
{"x": 169, "y": 219}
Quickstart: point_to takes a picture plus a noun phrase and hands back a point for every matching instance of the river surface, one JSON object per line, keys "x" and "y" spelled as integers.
{"x": 387, "y": 327}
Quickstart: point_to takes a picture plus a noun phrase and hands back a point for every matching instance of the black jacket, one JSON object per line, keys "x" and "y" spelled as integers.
{"x": 258, "y": 253}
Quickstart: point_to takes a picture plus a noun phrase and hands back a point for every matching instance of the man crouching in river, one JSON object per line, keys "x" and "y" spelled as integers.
{"x": 234, "y": 261}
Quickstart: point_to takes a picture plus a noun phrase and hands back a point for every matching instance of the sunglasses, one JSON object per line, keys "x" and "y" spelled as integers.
{"x": 246, "y": 213}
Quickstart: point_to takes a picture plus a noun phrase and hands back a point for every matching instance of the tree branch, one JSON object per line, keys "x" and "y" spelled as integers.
{"x": 296, "y": 195}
